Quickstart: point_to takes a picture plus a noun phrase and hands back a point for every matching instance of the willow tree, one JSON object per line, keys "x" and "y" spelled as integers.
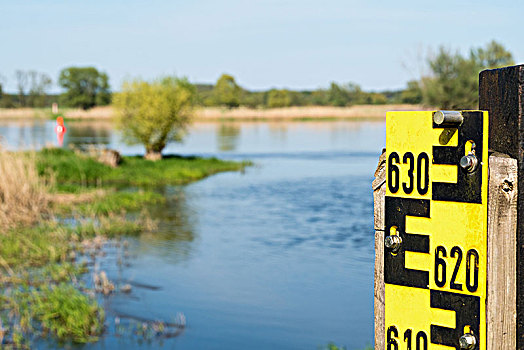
{"x": 155, "y": 113}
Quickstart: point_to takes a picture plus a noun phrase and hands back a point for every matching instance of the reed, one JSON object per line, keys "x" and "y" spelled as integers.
{"x": 23, "y": 194}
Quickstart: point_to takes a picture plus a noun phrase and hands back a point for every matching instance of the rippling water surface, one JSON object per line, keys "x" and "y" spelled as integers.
{"x": 278, "y": 257}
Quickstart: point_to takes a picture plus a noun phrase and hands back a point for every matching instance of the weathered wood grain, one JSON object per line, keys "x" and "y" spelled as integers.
{"x": 501, "y": 93}
{"x": 501, "y": 310}
{"x": 379, "y": 193}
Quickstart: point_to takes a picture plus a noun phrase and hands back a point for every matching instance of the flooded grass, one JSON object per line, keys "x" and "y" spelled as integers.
{"x": 106, "y": 202}
{"x": 59, "y": 206}
{"x": 65, "y": 312}
{"x": 41, "y": 294}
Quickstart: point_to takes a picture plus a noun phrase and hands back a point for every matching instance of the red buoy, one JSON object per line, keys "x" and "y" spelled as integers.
{"x": 60, "y": 130}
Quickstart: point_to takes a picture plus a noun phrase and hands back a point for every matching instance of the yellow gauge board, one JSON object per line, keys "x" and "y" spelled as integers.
{"x": 435, "y": 283}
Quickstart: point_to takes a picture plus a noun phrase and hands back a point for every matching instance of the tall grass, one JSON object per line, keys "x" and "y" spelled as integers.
{"x": 23, "y": 194}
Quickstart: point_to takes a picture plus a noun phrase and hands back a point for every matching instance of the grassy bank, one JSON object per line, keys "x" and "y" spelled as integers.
{"x": 71, "y": 169}
{"x": 376, "y": 112}
{"x": 59, "y": 208}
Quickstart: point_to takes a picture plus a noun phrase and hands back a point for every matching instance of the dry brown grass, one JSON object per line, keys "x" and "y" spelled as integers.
{"x": 75, "y": 198}
{"x": 23, "y": 194}
{"x": 18, "y": 113}
{"x": 44, "y": 113}
{"x": 105, "y": 112}
{"x": 215, "y": 113}
{"x": 306, "y": 112}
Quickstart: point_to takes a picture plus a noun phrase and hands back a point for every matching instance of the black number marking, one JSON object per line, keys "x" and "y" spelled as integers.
{"x": 392, "y": 341}
{"x": 422, "y": 337}
{"x": 472, "y": 287}
{"x": 422, "y": 172}
{"x": 422, "y": 188}
{"x": 393, "y": 169}
{"x": 421, "y": 340}
{"x": 441, "y": 282}
{"x": 409, "y": 157}
{"x": 458, "y": 252}
{"x": 472, "y": 268}
{"x": 407, "y": 337}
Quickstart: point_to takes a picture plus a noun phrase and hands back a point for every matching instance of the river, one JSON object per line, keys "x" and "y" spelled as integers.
{"x": 277, "y": 257}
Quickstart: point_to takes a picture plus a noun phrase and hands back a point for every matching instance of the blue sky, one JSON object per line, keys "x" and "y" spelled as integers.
{"x": 299, "y": 44}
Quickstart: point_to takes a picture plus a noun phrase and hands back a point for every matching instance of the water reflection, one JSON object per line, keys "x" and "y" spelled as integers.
{"x": 81, "y": 133}
{"x": 228, "y": 136}
{"x": 205, "y": 137}
{"x": 39, "y": 133}
{"x": 278, "y": 132}
{"x": 175, "y": 236}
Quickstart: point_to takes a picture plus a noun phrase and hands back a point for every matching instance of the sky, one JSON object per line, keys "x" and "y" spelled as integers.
{"x": 297, "y": 44}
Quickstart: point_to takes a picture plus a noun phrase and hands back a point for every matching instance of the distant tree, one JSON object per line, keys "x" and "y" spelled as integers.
{"x": 319, "y": 98}
{"x": 375, "y": 98}
{"x": 227, "y": 92}
{"x": 5, "y": 99}
{"x": 39, "y": 83}
{"x": 337, "y": 95}
{"x": 493, "y": 56}
{"x": 412, "y": 94}
{"x": 252, "y": 99}
{"x": 204, "y": 94}
{"x": 345, "y": 95}
{"x": 21, "y": 86}
{"x": 1, "y": 88}
{"x": 453, "y": 82}
{"x": 279, "y": 98}
{"x": 155, "y": 113}
{"x": 85, "y": 87}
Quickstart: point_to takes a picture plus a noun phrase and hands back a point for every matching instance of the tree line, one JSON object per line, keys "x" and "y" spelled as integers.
{"x": 84, "y": 87}
{"x": 451, "y": 82}
{"x": 226, "y": 92}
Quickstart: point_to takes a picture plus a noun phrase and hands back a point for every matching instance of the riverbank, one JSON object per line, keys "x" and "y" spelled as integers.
{"x": 59, "y": 209}
{"x": 365, "y": 112}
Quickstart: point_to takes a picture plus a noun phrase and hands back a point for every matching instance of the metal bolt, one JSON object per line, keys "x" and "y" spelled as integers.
{"x": 393, "y": 243}
{"x": 468, "y": 341}
{"x": 469, "y": 163}
{"x": 448, "y": 118}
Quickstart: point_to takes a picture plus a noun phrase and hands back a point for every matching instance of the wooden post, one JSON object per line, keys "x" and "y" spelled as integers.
{"x": 502, "y": 262}
{"x": 501, "y": 93}
{"x": 379, "y": 195}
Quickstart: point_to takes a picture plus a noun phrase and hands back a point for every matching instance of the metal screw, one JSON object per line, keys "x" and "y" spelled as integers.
{"x": 468, "y": 341}
{"x": 393, "y": 243}
{"x": 448, "y": 118}
{"x": 469, "y": 163}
